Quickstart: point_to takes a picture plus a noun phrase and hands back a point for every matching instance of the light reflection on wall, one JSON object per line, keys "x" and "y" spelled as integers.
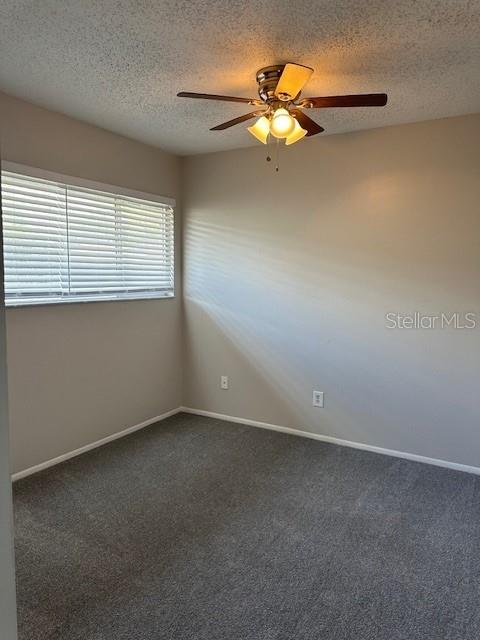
{"x": 288, "y": 291}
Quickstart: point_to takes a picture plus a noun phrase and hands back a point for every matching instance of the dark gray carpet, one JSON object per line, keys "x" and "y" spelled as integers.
{"x": 199, "y": 529}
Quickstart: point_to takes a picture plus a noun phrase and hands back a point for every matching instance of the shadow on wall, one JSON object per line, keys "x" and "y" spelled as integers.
{"x": 288, "y": 299}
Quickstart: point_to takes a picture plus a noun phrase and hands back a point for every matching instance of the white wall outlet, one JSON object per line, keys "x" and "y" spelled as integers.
{"x": 318, "y": 399}
{"x": 223, "y": 382}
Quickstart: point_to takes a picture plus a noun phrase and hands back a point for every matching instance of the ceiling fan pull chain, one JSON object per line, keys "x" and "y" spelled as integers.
{"x": 268, "y": 143}
{"x": 277, "y": 154}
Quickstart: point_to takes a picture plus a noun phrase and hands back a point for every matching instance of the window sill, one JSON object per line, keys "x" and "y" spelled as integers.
{"x": 14, "y": 304}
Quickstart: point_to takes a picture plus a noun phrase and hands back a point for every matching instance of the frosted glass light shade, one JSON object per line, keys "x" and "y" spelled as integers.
{"x": 282, "y": 124}
{"x": 296, "y": 135}
{"x": 260, "y": 129}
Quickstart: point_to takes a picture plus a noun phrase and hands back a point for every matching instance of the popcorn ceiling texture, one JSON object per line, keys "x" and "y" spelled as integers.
{"x": 119, "y": 64}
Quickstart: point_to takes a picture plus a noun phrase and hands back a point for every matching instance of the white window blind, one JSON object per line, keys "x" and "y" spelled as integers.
{"x": 65, "y": 243}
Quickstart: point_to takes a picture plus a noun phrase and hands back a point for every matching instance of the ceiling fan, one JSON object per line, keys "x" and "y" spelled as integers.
{"x": 280, "y": 109}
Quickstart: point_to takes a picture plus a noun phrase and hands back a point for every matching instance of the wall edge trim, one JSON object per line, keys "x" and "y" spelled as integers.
{"x": 92, "y": 445}
{"x": 457, "y": 466}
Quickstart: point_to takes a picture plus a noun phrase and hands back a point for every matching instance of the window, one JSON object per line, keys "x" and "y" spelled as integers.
{"x": 67, "y": 242}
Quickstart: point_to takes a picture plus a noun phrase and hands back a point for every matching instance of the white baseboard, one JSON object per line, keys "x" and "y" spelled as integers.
{"x": 252, "y": 423}
{"x": 92, "y": 445}
{"x": 343, "y": 443}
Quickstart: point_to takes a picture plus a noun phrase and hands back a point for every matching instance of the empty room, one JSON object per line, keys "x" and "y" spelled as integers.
{"x": 240, "y": 320}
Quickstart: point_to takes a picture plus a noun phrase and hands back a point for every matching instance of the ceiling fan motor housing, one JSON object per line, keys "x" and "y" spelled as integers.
{"x": 267, "y": 79}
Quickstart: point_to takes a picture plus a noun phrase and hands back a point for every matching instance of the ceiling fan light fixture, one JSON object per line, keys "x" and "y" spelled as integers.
{"x": 282, "y": 125}
{"x": 284, "y": 117}
{"x": 260, "y": 129}
{"x": 296, "y": 135}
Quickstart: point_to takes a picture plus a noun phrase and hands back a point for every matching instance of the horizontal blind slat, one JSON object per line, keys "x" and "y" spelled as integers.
{"x": 34, "y": 222}
{"x": 63, "y": 242}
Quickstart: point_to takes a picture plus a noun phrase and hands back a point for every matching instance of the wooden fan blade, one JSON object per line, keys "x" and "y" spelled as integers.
{"x": 231, "y": 123}
{"x": 294, "y": 77}
{"x": 211, "y": 96}
{"x": 365, "y": 100}
{"x": 306, "y": 123}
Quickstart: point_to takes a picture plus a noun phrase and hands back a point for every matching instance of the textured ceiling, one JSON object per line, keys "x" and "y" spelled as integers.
{"x": 119, "y": 63}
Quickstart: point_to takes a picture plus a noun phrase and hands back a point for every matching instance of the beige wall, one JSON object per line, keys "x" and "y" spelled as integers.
{"x": 288, "y": 278}
{"x": 8, "y": 627}
{"x": 80, "y": 372}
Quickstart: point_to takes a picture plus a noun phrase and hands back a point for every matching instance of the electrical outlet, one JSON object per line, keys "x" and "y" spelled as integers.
{"x": 318, "y": 399}
{"x": 223, "y": 382}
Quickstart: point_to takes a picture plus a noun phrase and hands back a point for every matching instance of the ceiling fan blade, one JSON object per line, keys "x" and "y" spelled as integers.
{"x": 231, "y": 123}
{"x": 307, "y": 123}
{"x": 294, "y": 77}
{"x": 211, "y": 96}
{"x": 362, "y": 100}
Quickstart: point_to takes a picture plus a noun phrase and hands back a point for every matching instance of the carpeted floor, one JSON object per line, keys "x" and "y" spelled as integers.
{"x": 203, "y": 530}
